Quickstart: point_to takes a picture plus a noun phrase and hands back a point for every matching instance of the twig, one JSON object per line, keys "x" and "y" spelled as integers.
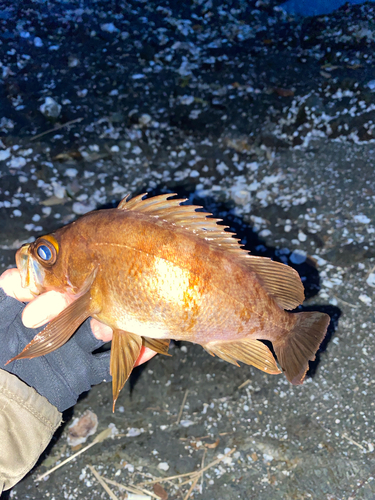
{"x": 202, "y": 466}
{"x": 244, "y": 384}
{"x": 182, "y": 407}
{"x": 99, "y": 438}
{"x": 194, "y": 473}
{"x": 345, "y": 436}
{"x": 346, "y": 303}
{"x": 191, "y": 488}
{"x": 103, "y": 483}
{"x": 131, "y": 489}
{"x": 58, "y": 127}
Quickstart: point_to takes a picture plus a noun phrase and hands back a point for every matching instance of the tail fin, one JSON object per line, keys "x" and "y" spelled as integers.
{"x": 299, "y": 346}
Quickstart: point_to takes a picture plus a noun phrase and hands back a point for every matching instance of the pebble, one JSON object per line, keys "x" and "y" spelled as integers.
{"x": 17, "y": 162}
{"x": 71, "y": 172}
{"x": 241, "y": 196}
{"x": 365, "y": 299}
{"x": 38, "y": 42}
{"x": 109, "y": 28}
{"x": 370, "y": 279}
{"x": 186, "y": 423}
{"x": 50, "y": 108}
{"x": 363, "y": 219}
{"x": 163, "y": 466}
{"x": 81, "y": 208}
{"x": 298, "y": 257}
{"x": 144, "y": 119}
{"x": 4, "y": 154}
{"x": 134, "y": 432}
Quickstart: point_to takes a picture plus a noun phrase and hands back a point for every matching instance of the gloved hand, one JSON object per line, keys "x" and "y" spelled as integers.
{"x": 64, "y": 374}
{"x": 60, "y": 376}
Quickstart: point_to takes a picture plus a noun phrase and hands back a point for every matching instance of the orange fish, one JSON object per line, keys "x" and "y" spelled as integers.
{"x": 154, "y": 270}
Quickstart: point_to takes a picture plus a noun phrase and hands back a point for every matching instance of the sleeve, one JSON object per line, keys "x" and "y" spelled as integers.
{"x": 27, "y": 424}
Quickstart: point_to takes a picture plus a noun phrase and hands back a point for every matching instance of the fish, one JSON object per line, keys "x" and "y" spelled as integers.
{"x": 153, "y": 270}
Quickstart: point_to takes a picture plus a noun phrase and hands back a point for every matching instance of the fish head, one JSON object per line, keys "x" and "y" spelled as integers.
{"x": 65, "y": 261}
{"x": 39, "y": 265}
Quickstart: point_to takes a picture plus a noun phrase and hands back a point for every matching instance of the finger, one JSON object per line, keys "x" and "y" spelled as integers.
{"x": 10, "y": 282}
{"x": 145, "y": 355}
{"x": 100, "y": 330}
{"x": 44, "y": 308}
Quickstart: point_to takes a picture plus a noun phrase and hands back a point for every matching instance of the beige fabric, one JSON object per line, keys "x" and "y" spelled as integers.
{"x": 27, "y": 424}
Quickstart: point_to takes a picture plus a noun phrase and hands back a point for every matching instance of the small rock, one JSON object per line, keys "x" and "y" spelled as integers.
{"x": 363, "y": 219}
{"x": 138, "y": 76}
{"x": 58, "y": 190}
{"x": 134, "y": 432}
{"x": 187, "y": 100}
{"x": 186, "y": 423}
{"x": 17, "y": 162}
{"x": 109, "y": 28}
{"x": 371, "y": 279}
{"x": 38, "y": 42}
{"x": 145, "y": 119}
{"x": 71, "y": 172}
{"x": 163, "y": 466}
{"x": 50, "y": 108}
{"x": 81, "y": 208}
{"x": 241, "y": 196}
{"x": 4, "y": 155}
{"x": 365, "y": 299}
{"x": 298, "y": 257}
{"x": 73, "y": 61}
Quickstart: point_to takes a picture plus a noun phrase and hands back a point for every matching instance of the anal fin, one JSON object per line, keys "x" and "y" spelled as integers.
{"x": 59, "y": 330}
{"x": 248, "y": 351}
{"x": 125, "y": 350}
{"x": 158, "y": 345}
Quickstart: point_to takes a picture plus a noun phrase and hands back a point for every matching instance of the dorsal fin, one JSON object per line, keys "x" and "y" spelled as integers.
{"x": 279, "y": 280}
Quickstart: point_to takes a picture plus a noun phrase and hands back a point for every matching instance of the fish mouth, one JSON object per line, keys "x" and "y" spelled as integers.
{"x": 31, "y": 274}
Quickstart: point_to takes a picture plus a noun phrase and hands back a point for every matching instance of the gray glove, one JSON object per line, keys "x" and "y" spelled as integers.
{"x": 60, "y": 376}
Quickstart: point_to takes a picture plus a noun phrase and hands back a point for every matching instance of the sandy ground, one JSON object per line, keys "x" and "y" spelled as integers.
{"x": 268, "y": 122}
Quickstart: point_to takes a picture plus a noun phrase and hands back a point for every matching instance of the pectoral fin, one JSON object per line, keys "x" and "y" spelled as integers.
{"x": 248, "y": 351}
{"x": 59, "y": 330}
{"x": 158, "y": 345}
{"x": 125, "y": 350}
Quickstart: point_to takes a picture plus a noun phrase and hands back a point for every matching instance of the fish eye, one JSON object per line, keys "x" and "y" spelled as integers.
{"x": 46, "y": 252}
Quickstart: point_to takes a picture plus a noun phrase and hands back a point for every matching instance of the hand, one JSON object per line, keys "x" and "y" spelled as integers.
{"x": 48, "y": 305}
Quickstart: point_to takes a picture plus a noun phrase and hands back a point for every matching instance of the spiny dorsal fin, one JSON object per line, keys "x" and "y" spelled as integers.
{"x": 279, "y": 280}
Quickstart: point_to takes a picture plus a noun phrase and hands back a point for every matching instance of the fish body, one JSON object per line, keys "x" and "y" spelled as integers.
{"x": 154, "y": 270}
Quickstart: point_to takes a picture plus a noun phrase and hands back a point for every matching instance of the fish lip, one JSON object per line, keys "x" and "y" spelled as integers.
{"x": 22, "y": 258}
{"x": 27, "y": 268}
